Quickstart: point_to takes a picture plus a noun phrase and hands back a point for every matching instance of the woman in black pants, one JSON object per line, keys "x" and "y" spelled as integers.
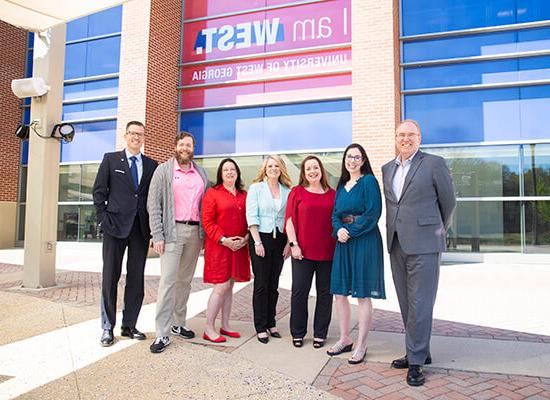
{"x": 309, "y": 229}
{"x": 265, "y": 212}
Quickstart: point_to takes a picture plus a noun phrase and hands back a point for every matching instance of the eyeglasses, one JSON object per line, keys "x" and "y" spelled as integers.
{"x": 354, "y": 158}
{"x": 134, "y": 133}
{"x": 408, "y": 135}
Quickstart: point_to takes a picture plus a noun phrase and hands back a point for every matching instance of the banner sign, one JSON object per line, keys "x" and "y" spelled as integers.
{"x": 309, "y": 25}
{"x": 268, "y": 68}
{"x": 206, "y": 8}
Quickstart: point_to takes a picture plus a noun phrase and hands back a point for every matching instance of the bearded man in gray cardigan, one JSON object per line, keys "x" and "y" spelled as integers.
{"x": 174, "y": 206}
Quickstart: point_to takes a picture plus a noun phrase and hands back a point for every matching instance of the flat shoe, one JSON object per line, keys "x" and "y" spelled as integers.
{"x": 263, "y": 339}
{"x": 231, "y": 334}
{"x": 219, "y": 339}
{"x": 297, "y": 342}
{"x": 339, "y": 348}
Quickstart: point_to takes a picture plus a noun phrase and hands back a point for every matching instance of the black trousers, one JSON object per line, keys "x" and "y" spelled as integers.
{"x": 302, "y": 276}
{"x": 266, "y": 271}
{"x": 113, "y": 252}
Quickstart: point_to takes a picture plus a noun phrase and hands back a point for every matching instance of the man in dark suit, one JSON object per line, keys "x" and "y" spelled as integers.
{"x": 120, "y": 197}
{"x": 420, "y": 201}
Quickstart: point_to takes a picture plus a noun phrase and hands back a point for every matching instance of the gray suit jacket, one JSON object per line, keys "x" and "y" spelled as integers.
{"x": 423, "y": 214}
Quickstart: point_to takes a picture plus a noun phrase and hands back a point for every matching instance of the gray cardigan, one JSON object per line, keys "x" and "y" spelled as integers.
{"x": 160, "y": 202}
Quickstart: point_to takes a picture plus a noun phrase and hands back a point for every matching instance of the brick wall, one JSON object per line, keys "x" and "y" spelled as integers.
{"x": 162, "y": 78}
{"x": 375, "y": 77}
{"x": 132, "y": 83}
{"x": 13, "y": 43}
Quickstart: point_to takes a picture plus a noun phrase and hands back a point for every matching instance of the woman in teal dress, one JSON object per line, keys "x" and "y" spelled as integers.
{"x": 358, "y": 264}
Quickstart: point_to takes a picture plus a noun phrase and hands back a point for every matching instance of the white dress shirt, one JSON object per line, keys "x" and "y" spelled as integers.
{"x": 139, "y": 163}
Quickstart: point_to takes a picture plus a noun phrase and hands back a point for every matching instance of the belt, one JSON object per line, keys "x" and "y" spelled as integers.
{"x": 188, "y": 222}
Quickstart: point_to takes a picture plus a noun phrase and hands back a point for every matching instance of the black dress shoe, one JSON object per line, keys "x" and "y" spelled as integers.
{"x": 132, "y": 333}
{"x": 415, "y": 376}
{"x": 107, "y": 338}
{"x": 403, "y": 362}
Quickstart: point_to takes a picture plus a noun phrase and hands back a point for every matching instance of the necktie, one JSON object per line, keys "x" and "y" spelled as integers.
{"x": 134, "y": 171}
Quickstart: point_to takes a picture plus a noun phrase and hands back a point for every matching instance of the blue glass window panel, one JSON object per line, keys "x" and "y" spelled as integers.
{"x": 427, "y": 16}
{"x": 26, "y": 115}
{"x": 477, "y": 45}
{"x": 77, "y": 29}
{"x": 105, "y": 22}
{"x": 103, "y": 56}
{"x": 95, "y": 109}
{"x": 75, "y": 60}
{"x": 97, "y": 57}
{"x": 482, "y": 115}
{"x": 105, "y": 87}
{"x": 533, "y": 10}
{"x": 24, "y": 152}
{"x": 100, "y": 23}
{"x": 28, "y": 67}
{"x": 90, "y": 142}
{"x": 534, "y": 108}
{"x": 215, "y": 131}
{"x": 30, "y": 39}
{"x": 322, "y": 125}
{"x": 489, "y": 72}
{"x": 473, "y": 116}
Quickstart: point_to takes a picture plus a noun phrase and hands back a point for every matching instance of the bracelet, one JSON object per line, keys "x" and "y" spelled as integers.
{"x": 258, "y": 244}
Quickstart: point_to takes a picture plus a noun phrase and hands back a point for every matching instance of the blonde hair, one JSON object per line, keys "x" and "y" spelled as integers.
{"x": 284, "y": 178}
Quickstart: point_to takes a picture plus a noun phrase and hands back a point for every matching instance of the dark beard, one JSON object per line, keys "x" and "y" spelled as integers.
{"x": 181, "y": 160}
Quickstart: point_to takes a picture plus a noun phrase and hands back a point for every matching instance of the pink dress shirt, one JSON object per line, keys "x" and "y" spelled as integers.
{"x": 188, "y": 187}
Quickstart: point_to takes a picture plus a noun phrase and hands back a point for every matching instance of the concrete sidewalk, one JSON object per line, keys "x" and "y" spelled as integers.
{"x": 491, "y": 339}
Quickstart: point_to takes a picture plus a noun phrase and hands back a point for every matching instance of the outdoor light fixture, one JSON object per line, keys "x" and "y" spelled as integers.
{"x": 63, "y": 132}
{"x": 22, "y": 132}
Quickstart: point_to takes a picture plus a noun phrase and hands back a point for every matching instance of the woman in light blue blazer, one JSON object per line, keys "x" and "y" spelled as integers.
{"x": 265, "y": 213}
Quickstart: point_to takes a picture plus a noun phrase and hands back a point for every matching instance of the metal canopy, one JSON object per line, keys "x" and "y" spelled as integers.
{"x": 39, "y": 15}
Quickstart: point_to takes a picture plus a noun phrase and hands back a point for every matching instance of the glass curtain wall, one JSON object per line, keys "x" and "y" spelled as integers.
{"x": 476, "y": 76}
{"x": 92, "y": 57}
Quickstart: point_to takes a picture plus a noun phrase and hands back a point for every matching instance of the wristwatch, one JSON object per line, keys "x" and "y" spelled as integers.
{"x": 221, "y": 239}
{"x": 258, "y": 243}
{"x": 292, "y": 244}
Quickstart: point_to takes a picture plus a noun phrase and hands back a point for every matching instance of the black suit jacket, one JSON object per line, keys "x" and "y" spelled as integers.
{"x": 116, "y": 201}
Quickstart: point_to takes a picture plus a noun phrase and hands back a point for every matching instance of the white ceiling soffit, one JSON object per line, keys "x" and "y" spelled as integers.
{"x": 38, "y": 15}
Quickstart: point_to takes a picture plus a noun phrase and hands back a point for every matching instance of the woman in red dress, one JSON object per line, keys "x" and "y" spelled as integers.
{"x": 226, "y": 258}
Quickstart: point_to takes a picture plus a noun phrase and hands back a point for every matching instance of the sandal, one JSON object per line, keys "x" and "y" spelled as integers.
{"x": 339, "y": 348}
{"x": 318, "y": 343}
{"x": 298, "y": 342}
{"x": 357, "y": 358}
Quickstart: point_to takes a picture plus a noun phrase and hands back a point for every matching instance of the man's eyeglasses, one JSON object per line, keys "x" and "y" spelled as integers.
{"x": 408, "y": 135}
{"x": 134, "y": 133}
{"x": 354, "y": 158}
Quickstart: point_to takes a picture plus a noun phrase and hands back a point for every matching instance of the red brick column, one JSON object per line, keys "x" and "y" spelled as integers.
{"x": 162, "y": 78}
{"x": 13, "y": 44}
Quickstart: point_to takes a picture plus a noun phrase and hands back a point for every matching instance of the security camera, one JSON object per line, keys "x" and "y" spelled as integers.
{"x": 29, "y": 87}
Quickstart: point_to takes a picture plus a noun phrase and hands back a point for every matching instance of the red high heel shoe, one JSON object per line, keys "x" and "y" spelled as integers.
{"x": 219, "y": 339}
{"x": 231, "y": 334}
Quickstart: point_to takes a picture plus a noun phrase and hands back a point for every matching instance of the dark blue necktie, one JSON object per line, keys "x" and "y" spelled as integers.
{"x": 134, "y": 171}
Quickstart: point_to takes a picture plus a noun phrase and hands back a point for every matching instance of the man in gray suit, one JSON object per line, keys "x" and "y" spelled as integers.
{"x": 420, "y": 201}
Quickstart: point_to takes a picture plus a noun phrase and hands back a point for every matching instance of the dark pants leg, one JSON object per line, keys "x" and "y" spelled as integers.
{"x": 323, "y": 305}
{"x": 135, "y": 266}
{"x": 266, "y": 270}
{"x": 113, "y": 252}
{"x": 302, "y": 275}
